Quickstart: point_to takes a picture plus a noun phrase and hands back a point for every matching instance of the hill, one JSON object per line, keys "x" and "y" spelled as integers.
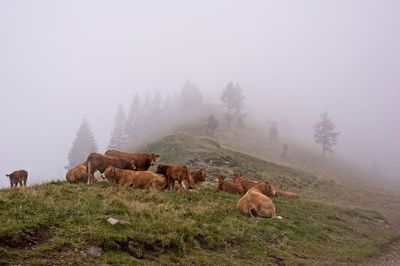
{"x": 60, "y": 223}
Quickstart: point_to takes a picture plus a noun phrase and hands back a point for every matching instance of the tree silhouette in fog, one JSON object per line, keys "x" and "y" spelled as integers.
{"x": 190, "y": 95}
{"x": 233, "y": 99}
{"x": 83, "y": 145}
{"x": 211, "y": 125}
{"x": 325, "y": 134}
{"x": 118, "y": 139}
{"x": 131, "y": 128}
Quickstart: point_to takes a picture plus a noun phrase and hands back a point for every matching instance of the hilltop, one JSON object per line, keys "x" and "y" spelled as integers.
{"x": 60, "y": 223}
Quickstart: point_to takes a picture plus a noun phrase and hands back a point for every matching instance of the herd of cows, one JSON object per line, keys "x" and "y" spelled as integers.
{"x": 132, "y": 170}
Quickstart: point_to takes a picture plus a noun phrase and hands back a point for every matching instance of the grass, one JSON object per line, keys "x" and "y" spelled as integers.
{"x": 55, "y": 223}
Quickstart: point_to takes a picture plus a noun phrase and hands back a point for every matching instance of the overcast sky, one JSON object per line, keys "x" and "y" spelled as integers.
{"x": 61, "y": 61}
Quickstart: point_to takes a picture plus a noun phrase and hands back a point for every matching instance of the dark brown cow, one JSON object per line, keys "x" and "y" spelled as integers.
{"x": 246, "y": 184}
{"x": 135, "y": 179}
{"x": 229, "y": 187}
{"x": 199, "y": 175}
{"x": 100, "y": 162}
{"x": 143, "y": 161}
{"x": 257, "y": 203}
{"x": 18, "y": 177}
{"x": 77, "y": 173}
{"x": 174, "y": 173}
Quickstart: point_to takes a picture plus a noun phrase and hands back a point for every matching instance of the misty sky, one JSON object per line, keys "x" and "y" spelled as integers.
{"x": 61, "y": 61}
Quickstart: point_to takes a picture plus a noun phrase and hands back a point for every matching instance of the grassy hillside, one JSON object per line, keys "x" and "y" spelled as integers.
{"x": 60, "y": 223}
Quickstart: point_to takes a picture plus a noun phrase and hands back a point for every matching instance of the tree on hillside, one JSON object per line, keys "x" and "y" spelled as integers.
{"x": 83, "y": 145}
{"x": 118, "y": 140}
{"x": 233, "y": 99}
{"x": 157, "y": 100}
{"x": 190, "y": 95}
{"x": 273, "y": 130}
{"x": 325, "y": 134}
{"x": 131, "y": 127}
{"x": 211, "y": 125}
{"x": 285, "y": 149}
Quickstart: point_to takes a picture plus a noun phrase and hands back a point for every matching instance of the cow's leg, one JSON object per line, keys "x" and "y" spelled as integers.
{"x": 11, "y": 183}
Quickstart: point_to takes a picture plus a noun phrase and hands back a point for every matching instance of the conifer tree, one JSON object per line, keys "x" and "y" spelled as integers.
{"x": 131, "y": 128}
{"x": 83, "y": 145}
{"x": 325, "y": 134}
{"x": 118, "y": 139}
{"x": 233, "y": 99}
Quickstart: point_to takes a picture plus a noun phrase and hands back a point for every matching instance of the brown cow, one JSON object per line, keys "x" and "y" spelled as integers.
{"x": 100, "y": 162}
{"x": 246, "y": 184}
{"x": 143, "y": 161}
{"x": 199, "y": 175}
{"x": 257, "y": 203}
{"x": 174, "y": 173}
{"x": 18, "y": 177}
{"x": 286, "y": 195}
{"x": 229, "y": 187}
{"x": 135, "y": 179}
{"x": 77, "y": 174}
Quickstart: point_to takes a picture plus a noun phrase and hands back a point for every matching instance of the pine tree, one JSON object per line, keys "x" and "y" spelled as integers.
{"x": 118, "y": 140}
{"x": 211, "y": 125}
{"x": 83, "y": 145}
{"x": 157, "y": 100}
{"x": 131, "y": 128}
{"x": 233, "y": 98}
{"x": 190, "y": 95}
{"x": 325, "y": 134}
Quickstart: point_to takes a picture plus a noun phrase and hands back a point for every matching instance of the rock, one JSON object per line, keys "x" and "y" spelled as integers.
{"x": 115, "y": 221}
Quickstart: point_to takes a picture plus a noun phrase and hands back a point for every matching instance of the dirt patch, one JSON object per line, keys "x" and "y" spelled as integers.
{"x": 27, "y": 238}
{"x": 141, "y": 249}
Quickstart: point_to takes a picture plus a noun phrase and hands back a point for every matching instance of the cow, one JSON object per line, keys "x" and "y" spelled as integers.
{"x": 97, "y": 161}
{"x": 143, "y": 161}
{"x": 286, "y": 195}
{"x": 135, "y": 179}
{"x": 174, "y": 173}
{"x": 18, "y": 177}
{"x": 199, "y": 175}
{"x": 77, "y": 174}
{"x": 229, "y": 187}
{"x": 246, "y": 184}
{"x": 256, "y": 201}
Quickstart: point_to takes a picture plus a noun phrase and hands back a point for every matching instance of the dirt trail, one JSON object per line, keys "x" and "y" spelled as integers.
{"x": 390, "y": 257}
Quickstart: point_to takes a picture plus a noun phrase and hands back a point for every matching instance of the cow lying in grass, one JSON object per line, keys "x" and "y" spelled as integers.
{"x": 77, "y": 174}
{"x": 18, "y": 177}
{"x": 229, "y": 186}
{"x": 286, "y": 195}
{"x": 256, "y": 201}
{"x": 135, "y": 179}
{"x": 246, "y": 184}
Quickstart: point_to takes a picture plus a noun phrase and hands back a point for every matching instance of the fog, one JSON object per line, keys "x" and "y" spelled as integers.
{"x": 63, "y": 61}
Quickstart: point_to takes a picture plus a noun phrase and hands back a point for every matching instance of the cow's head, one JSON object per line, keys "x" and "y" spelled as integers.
{"x": 8, "y": 175}
{"x": 203, "y": 175}
{"x": 266, "y": 188}
{"x": 221, "y": 180}
{"x": 109, "y": 173}
{"x": 237, "y": 177}
{"x": 160, "y": 169}
{"x": 153, "y": 157}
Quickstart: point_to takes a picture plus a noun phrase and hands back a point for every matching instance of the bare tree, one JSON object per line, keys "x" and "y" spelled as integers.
{"x": 325, "y": 134}
{"x": 118, "y": 140}
{"x": 83, "y": 145}
{"x": 233, "y": 98}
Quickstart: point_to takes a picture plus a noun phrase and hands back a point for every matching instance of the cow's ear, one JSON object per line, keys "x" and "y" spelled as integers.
{"x": 156, "y": 155}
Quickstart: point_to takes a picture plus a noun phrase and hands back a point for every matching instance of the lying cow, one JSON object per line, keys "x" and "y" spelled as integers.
{"x": 229, "y": 186}
{"x": 199, "y": 175}
{"x": 286, "y": 195}
{"x": 143, "y": 161}
{"x": 256, "y": 201}
{"x": 174, "y": 173}
{"x": 135, "y": 179}
{"x": 246, "y": 184}
{"x": 77, "y": 173}
{"x": 18, "y": 177}
{"x": 97, "y": 161}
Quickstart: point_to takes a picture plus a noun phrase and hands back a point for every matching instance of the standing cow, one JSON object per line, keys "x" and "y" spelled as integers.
{"x": 174, "y": 173}
{"x": 99, "y": 162}
{"x": 143, "y": 161}
{"x": 18, "y": 177}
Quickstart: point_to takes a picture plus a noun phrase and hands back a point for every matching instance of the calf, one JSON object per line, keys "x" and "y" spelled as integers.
{"x": 199, "y": 175}
{"x": 97, "y": 161}
{"x": 257, "y": 203}
{"x": 18, "y": 177}
{"x": 143, "y": 161}
{"x": 229, "y": 186}
{"x": 135, "y": 179}
{"x": 77, "y": 174}
{"x": 174, "y": 173}
{"x": 286, "y": 195}
{"x": 246, "y": 184}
